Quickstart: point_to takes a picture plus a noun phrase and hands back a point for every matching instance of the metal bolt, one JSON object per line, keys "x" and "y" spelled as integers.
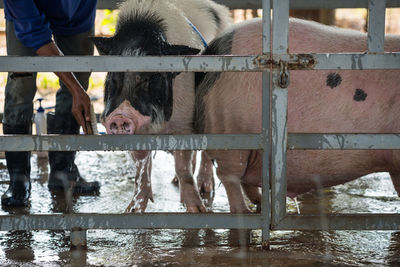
{"x": 304, "y": 61}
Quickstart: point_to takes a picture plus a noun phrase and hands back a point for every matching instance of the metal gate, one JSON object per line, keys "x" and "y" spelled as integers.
{"x": 275, "y": 63}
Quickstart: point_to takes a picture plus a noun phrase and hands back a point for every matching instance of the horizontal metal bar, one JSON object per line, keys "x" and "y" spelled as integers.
{"x": 124, "y": 63}
{"x": 98, "y": 115}
{"x": 294, "y": 4}
{"x": 256, "y": 4}
{"x": 129, "y": 221}
{"x": 349, "y": 61}
{"x": 128, "y": 142}
{"x": 343, "y": 141}
{"x": 195, "y": 221}
{"x": 340, "y": 222}
{"x": 108, "y": 4}
{"x": 331, "y": 4}
{"x": 233, "y": 4}
{"x": 355, "y": 61}
{"x": 194, "y": 142}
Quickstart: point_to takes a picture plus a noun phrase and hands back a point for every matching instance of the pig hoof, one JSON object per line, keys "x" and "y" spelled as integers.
{"x": 397, "y": 188}
{"x": 206, "y": 187}
{"x": 131, "y": 209}
{"x": 196, "y": 209}
{"x": 175, "y": 181}
{"x": 243, "y": 210}
{"x": 138, "y": 205}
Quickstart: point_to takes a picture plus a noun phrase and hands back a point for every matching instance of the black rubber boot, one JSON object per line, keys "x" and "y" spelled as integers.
{"x": 64, "y": 174}
{"x": 19, "y": 168}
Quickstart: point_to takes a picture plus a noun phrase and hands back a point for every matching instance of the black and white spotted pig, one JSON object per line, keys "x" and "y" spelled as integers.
{"x": 138, "y": 103}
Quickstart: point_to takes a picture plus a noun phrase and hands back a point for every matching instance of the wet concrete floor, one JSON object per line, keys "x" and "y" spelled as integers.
{"x": 221, "y": 247}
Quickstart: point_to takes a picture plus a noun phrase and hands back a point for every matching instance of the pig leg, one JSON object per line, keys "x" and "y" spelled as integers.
{"x": 143, "y": 191}
{"x": 396, "y": 181}
{"x": 205, "y": 177}
{"x": 230, "y": 170}
{"x": 190, "y": 196}
{"x": 253, "y": 194}
{"x": 175, "y": 180}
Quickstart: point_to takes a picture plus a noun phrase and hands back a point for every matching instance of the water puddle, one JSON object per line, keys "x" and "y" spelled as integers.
{"x": 115, "y": 172}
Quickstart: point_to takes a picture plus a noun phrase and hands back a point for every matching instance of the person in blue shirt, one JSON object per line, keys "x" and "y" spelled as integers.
{"x": 47, "y": 28}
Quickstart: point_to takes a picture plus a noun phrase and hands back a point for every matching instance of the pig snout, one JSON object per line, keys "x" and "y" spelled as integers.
{"x": 120, "y": 125}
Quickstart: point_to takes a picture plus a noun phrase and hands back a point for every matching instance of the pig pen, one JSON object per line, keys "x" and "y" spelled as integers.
{"x": 218, "y": 247}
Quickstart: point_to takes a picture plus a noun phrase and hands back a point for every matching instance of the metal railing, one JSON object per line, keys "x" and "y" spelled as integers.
{"x": 257, "y": 4}
{"x": 273, "y": 213}
{"x": 281, "y": 140}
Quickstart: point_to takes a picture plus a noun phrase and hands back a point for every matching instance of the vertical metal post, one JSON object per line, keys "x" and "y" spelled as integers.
{"x": 265, "y": 201}
{"x": 376, "y": 25}
{"x": 280, "y": 31}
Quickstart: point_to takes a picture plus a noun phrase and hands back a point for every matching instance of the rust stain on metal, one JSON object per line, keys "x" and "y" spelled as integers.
{"x": 303, "y": 62}
{"x": 295, "y": 62}
{"x": 263, "y": 61}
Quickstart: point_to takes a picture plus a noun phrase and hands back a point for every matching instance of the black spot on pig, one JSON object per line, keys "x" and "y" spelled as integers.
{"x": 204, "y": 81}
{"x": 333, "y": 80}
{"x": 360, "y": 95}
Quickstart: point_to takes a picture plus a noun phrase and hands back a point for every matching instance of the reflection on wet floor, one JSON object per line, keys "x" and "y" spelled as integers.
{"x": 220, "y": 247}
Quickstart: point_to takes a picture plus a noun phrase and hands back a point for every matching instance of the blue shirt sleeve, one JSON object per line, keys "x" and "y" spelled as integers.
{"x": 31, "y": 27}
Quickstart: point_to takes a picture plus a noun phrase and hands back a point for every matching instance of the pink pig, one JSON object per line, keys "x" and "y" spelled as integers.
{"x": 319, "y": 101}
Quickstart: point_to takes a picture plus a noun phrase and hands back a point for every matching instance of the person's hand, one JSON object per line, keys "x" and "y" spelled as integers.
{"x": 81, "y": 108}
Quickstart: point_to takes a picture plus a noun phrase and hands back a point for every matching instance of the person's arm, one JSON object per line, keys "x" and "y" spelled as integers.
{"x": 80, "y": 99}
{"x": 32, "y": 30}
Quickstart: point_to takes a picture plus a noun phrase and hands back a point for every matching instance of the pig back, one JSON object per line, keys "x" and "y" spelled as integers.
{"x": 318, "y": 100}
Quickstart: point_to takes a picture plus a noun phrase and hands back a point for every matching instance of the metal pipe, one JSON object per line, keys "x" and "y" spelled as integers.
{"x": 376, "y": 25}
{"x": 280, "y": 30}
{"x": 343, "y": 141}
{"x": 129, "y": 221}
{"x": 323, "y": 61}
{"x": 129, "y": 142}
{"x": 340, "y": 222}
{"x": 265, "y": 201}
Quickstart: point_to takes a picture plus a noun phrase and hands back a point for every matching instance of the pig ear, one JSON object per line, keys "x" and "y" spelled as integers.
{"x": 103, "y": 44}
{"x": 181, "y": 50}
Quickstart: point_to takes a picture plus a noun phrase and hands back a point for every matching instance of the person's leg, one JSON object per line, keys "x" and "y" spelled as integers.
{"x": 18, "y": 110}
{"x": 63, "y": 171}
